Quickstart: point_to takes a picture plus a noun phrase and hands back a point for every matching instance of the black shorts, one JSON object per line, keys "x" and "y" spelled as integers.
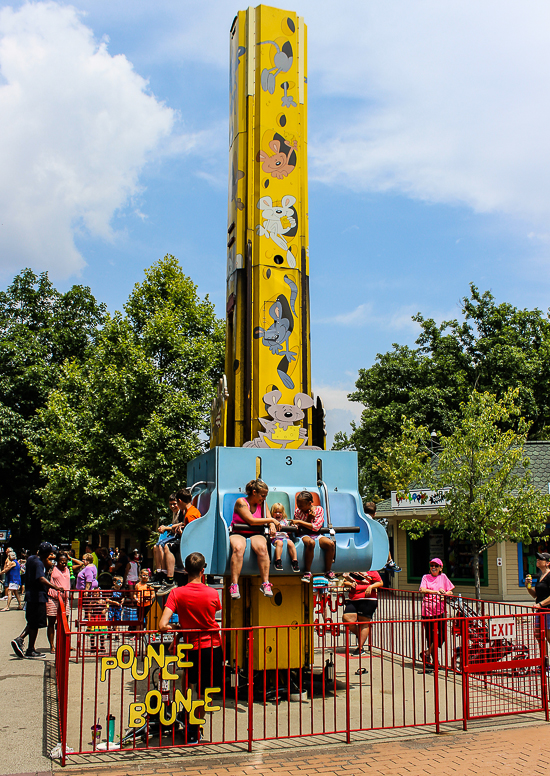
{"x": 429, "y": 628}
{"x": 35, "y": 614}
{"x": 363, "y": 607}
{"x": 210, "y": 661}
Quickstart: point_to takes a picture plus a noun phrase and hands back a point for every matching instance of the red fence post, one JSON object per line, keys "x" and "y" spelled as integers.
{"x": 465, "y": 676}
{"x": 348, "y": 716}
{"x": 251, "y": 688}
{"x": 62, "y": 676}
{"x": 436, "y": 671}
{"x": 541, "y": 622}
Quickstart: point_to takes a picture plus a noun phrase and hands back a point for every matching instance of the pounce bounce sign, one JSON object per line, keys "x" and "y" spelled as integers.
{"x": 153, "y": 703}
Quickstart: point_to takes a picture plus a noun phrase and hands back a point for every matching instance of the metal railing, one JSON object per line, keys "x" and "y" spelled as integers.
{"x": 124, "y": 688}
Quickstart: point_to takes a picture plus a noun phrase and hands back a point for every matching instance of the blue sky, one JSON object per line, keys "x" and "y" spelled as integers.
{"x": 428, "y": 154}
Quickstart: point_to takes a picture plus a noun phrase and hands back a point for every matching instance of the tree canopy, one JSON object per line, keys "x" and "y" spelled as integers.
{"x": 39, "y": 329}
{"x": 495, "y": 347}
{"x": 491, "y": 497}
{"x": 120, "y": 426}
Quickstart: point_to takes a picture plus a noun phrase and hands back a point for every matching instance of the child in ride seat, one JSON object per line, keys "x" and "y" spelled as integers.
{"x": 278, "y": 539}
{"x": 310, "y": 519}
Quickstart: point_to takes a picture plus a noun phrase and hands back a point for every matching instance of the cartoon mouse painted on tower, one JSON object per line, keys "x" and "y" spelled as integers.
{"x": 278, "y": 334}
{"x": 272, "y": 226}
{"x": 283, "y": 160}
{"x": 280, "y": 430}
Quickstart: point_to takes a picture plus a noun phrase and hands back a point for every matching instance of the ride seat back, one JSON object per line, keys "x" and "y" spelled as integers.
{"x": 316, "y": 499}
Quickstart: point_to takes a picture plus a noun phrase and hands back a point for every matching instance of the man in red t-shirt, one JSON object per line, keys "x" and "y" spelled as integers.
{"x": 361, "y": 604}
{"x": 196, "y": 606}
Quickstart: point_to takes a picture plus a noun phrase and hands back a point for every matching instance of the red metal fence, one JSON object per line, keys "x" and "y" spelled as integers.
{"x": 121, "y": 687}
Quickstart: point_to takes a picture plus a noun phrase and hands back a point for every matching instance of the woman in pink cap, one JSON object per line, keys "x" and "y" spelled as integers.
{"x": 434, "y": 585}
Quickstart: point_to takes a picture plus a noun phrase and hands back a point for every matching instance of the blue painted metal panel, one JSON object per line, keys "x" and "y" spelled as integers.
{"x": 226, "y": 470}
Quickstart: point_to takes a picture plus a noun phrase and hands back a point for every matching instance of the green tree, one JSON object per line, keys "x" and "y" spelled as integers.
{"x": 495, "y": 347}
{"x": 120, "y": 427}
{"x": 39, "y": 329}
{"x": 491, "y": 497}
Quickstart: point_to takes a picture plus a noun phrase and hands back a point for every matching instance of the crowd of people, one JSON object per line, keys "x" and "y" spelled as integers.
{"x": 46, "y": 577}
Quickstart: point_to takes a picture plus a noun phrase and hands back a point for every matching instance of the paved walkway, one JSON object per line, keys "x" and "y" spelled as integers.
{"x": 24, "y": 689}
{"x": 494, "y": 752}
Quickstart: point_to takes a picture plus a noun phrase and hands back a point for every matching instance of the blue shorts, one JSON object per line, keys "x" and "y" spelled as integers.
{"x": 115, "y": 613}
{"x": 164, "y": 538}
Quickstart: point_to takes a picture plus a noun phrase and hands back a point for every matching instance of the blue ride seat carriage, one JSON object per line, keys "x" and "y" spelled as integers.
{"x": 220, "y": 476}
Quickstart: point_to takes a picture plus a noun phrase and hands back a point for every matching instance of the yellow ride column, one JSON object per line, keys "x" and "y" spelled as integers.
{"x": 267, "y": 352}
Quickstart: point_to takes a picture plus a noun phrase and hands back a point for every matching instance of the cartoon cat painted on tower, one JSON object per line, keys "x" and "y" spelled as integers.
{"x": 276, "y": 337}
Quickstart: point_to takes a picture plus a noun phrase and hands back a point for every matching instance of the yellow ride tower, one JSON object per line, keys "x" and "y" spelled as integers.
{"x": 267, "y": 353}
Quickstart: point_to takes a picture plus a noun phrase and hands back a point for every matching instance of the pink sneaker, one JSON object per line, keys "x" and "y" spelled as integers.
{"x": 234, "y": 591}
{"x": 267, "y": 589}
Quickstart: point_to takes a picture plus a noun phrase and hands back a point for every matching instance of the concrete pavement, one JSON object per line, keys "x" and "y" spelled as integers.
{"x": 492, "y": 752}
{"x": 25, "y": 730}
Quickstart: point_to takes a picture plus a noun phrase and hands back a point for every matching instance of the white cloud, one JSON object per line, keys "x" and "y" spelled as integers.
{"x": 340, "y": 410}
{"x": 360, "y": 315}
{"x": 441, "y": 101}
{"x": 450, "y": 101}
{"x": 363, "y": 314}
{"x": 78, "y": 125}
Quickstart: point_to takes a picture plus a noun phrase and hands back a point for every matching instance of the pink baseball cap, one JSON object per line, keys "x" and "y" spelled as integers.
{"x": 437, "y": 560}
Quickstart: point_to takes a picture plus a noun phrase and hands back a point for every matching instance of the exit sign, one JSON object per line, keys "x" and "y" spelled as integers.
{"x": 502, "y": 628}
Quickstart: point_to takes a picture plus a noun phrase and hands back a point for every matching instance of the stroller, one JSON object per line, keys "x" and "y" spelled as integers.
{"x": 481, "y": 649}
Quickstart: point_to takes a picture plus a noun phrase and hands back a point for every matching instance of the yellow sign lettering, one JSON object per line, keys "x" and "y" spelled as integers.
{"x": 145, "y": 673}
{"x": 184, "y": 700}
{"x": 136, "y": 714}
{"x": 180, "y": 651}
{"x": 158, "y": 657}
{"x": 107, "y": 664}
{"x": 119, "y": 656}
{"x": 173, "y": 712}
{"x": 166, "y": 674}
{"x": 193, "y": 719}
{"x": 207, "y": 699}
{"x": 153, "y": 695}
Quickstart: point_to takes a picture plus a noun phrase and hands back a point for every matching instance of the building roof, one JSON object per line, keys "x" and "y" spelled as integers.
{"x": 539, "y": 457}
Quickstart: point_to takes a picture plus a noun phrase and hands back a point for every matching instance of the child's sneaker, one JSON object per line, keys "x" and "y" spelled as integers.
{"x": 295, "y": 567}
{"x": 267, "y": 589}
{"x": 331, "y": 576}
{"x": 166, "y": 587}
{"x": 391, "y": 565}
{"x": 234, "y": 591}
{"x": 306, "y": 577}
{"x": 278, "y": 565}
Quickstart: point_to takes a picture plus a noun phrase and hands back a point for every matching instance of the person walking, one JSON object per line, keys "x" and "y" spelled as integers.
{"x": 12, "y": 580}
{"x": 35, "y": 598}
